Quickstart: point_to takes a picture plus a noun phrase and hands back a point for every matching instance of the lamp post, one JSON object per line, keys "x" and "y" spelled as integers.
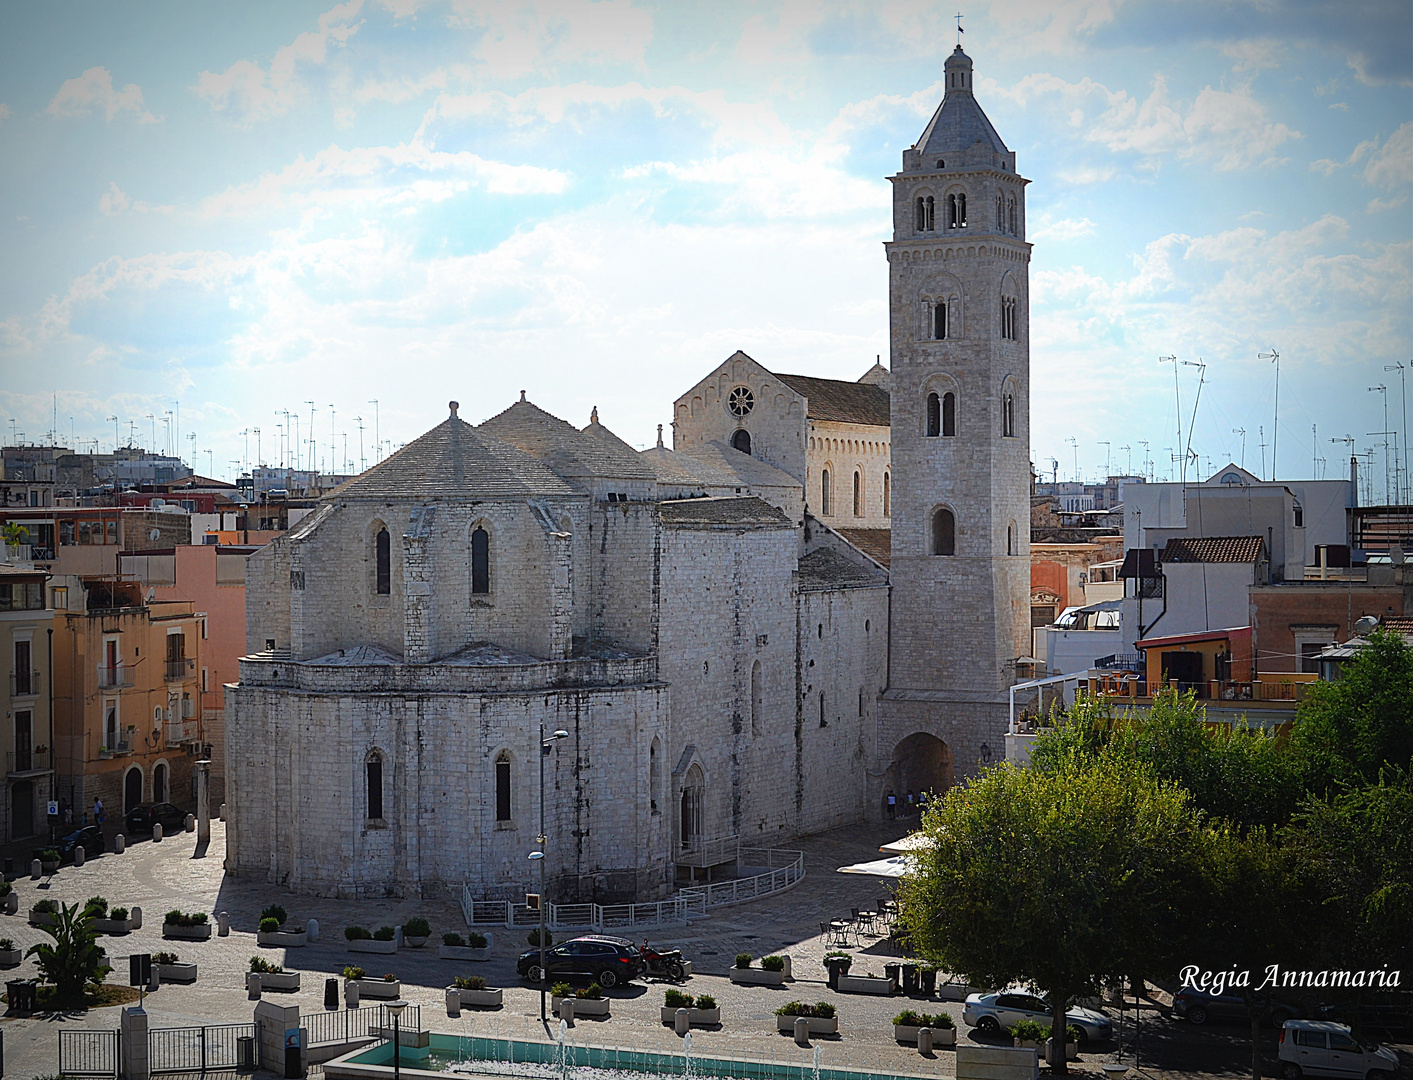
{"x": 546, "y": 745}
{"x": 396, "y": 1007}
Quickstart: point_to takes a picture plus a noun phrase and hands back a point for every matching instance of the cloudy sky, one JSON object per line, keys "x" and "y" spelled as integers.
{"x": 232, "y": 211}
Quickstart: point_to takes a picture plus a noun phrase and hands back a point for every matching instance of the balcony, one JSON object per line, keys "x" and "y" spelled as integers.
{"x": 179, "y": 669}
{"x": 114, "y": 677}
{"x": 25, "y": 683}
{"x": 120, "y": 750}
{"x": 181, "y": 731}
{"x": 41, "y": 552}
{"x": 23, "y": 763}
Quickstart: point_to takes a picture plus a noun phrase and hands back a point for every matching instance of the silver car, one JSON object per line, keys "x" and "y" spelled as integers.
{"x": 991, "y": 1013}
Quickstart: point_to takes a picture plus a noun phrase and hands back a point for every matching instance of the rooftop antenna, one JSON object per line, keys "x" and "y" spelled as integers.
{"x": 1201, "y": 378}
{"x": 1128, "y": 466}
{"x": 116, "y": 436}
{"x": 1073, "y": 442}
{"x": 1406, "y": 495}
{"x": 1105, "y": 444}
{"x": 1261, "y": 432}
{"x": 362, "y": 461}
{"x": 1054, "y": 470}
{"x": 377, "y": 433}
{"x": 1177, "y": 398}
{"x": 1275, "y": 358}
{"x": 1242, "y": 432}
{"x": 1381, "y": 389}
{"x": 1147, "y": 462}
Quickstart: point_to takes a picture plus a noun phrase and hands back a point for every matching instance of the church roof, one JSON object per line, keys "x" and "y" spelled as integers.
{"x": 958, "y": 123}
{"x": 713, "y": 464}
{"x": 877, "y": 544}
{"x": 840, "y": 401}
{"x": 453, "y": 460}
{"x": 563, "y": 447}
{"x": 825, "y": 568}
{"x": 748, "y": 513}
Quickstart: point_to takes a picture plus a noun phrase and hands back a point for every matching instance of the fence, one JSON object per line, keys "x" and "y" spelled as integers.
{"x": 197, "y": 1049}
{"x": 89, "y": 1053}
{"x": 786, "y": 868}
{"x": 349, "y": 1024}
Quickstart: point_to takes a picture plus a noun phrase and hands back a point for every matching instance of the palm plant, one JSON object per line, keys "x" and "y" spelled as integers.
{"x": 75, "y": 959}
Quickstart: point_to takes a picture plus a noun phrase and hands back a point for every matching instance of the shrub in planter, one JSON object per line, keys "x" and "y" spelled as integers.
{"x": 384, "y": 933}
{"x": 270, "y": 926}
{"x": 705, "y": 1001}
{"x": 274, "y": 911}
{"x": 170, "y": 969}
{"x": 821, "y": 1010}
{"x": 356, "y": 933}
{"x": 534, "y": 938}
{"x": 45, "y": 907}
{"x": 469, "y": 982}
{"x": 261, "y": 966}
{"x": 97, "y": 907}
{"x": 9, "y": 955}
{"x": 353, "y": 973}
{"x": 119, "y": 914}
{"x": 1031, "y": 1031}
{"x": 416, "y": 928}
{"x": 592, "y": 992}
{"x": 165, "y": 958}
{"x": 6, "y": 887}
{"x": 675, "y": 999}
{"x": 772, "y": 963}
{"x": 743, "y": 960}
{"x": 456, "y": 941}
{"x": 560, "y": 989}
{"x": 176, "y": 917}
{"x": 49, "y": 857}
{"x": 476, "y": 940}
{"x": 389, "y": 977}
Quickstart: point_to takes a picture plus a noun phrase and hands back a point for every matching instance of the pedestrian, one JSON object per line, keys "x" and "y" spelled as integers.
{"x": 892, "y": 806}
{"x": 912, "y": 801}
{"x": 68, "y": 815}
{"x": 98, "y": 811}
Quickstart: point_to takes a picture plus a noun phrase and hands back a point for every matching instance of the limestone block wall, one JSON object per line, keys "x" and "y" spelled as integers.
{"x": 776, "y": 422}
{"x": 621, "y": 590}
{"x": 267, "y": 596}
{"x": 842, "y": 450}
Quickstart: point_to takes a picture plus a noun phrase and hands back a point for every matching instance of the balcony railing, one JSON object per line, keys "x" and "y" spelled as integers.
{"x": 114, "y": 676}
{"x": 702, "y": 852}
{"x": 25, "y": 683}
{"x": 180, "y": 731}
{"x": 26, "y": 761}
{"x": 179, "y": 669}
{"x": 41, "y": 552}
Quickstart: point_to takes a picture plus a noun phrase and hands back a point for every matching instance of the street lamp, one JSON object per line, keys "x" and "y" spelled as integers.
{"x": 396, "y": 1007}
{"x": 546, "y": 745}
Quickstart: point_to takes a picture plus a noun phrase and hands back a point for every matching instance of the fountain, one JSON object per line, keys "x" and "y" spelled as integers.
{"x": 816, "y": 1063}
{"x": 687, "y": 1053}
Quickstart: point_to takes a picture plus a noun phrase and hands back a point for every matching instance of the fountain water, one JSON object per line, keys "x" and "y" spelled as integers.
{"x": 563, "y": 1061}
{"x": 687, "y": 1052}
{"x": 816, "y": 1063}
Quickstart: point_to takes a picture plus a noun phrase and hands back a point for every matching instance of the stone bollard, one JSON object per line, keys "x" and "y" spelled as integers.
{"x": 190, "y": 823}
{"x": 36, "y": 870}
{"x": 785, "y": 971}
{"x": 252, "y": 985}
{"x": 156, "y": 832}
{"x": 155, "y": 980}
{"x": 78, "y": 855}
{"x": 222, "y": 814}
{"x": 682, "y": 1022}
{"x": 12, "y": 903}
{"x": 453, "y": 1002}
{"x": 311, "y": 931}
{"x": 566, "y": 1010}
{"x": 120, "y": 843}
{"x": 802, "y": 1030}
{"x": 350, "y": 994}
{"x": 136, "y": 916}
{"x": 924, "y": 1041}
{"x": 223, "y": 924}
{"x": 397, "y": 936}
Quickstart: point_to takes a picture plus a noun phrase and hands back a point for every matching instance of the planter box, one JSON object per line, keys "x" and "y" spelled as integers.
{"x": 176, "y": 973}
{"x": 463, "y": 952}
{"x": 414, "y": 942}
{"x": 377, "y": 988}
{"x": 818, "y": 1025}
{"x": 280, "y": 937}
{"x": 757, "y": 977}
{"x": 187, "y": 933}
{"x": 49, "y": 867}
{"x": 372, "y": 945}
{"x": 906, "y": 1033}
{"x": 694, "y": 1016}
{"x": 1071, "y": 1050}
{"x": 1027, "y": 1044}
{"x": 584, "y": 1007}
{"x": 281, "y": 980}
{"x": 862, "y": 984}
{"x": 11, "y": 957}
{"x": 489, "y": 998}
{"x": 41, "y": 918}
{"x": 952, "y": 991}
{"x": 113, "y": 926}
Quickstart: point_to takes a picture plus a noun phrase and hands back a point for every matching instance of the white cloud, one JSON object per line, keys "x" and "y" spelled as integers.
{"x": 247, "y": 93}
{"x": 115, "y": 201}
{"x": 1254, "y": 54}
{"x": 4, "y": 112}
{"x": 93, "y": 91}
{"x": 1389, "y": 166}
{"x": 1063, "y": 229}
{"x": 519, "y": 37}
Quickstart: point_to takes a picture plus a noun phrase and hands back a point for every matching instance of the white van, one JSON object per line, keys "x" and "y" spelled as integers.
{"x": 1324, "y": 1048}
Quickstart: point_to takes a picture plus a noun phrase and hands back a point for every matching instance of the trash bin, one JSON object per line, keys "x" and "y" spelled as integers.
{"x": 927, "y": 981}
{"x": 331, "y": 993}
{"x": 894, "y": 972}
{"x": 837, "y": 966}
{"x": 245, "y": 1052}
{"x": 910, "y": 978}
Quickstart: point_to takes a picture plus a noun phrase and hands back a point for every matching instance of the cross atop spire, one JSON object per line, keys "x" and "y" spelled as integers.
{"x": 960, "y": 31}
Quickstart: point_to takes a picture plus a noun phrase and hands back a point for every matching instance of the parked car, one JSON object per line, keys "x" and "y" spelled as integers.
{"x": 1324, "y": 1048}
{"x": 141, "y": 818}
{"x": 1197, "y": 1007}
{"x": 609, "y": 961}
{"x": 989, "y": 1013}
{"x": 90, "y": 837}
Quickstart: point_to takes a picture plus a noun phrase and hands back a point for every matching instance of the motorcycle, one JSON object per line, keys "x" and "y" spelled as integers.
{"x": 663, "y": 965}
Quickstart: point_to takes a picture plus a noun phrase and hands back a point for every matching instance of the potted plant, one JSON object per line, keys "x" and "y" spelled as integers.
{"x": 822, "y": 1017}
{"x": 866, "y": 984}
{"x": 1071, "y": 1045}
{"x": 415, "y": 932}
{"x": 182, "y": 926}
{"x": 387, "y": 987}
{"x": 49, "y": 860}
{"x": 837, "y": 963}
{"x": 475, "y": 993}
{"x": 9, "y": 899}
{"x": 701, "y": 1009}
{"x": 170, "y": 968}
{"x": 907, "y": 1024}
{"x": 43, "y": 913}
{"x": 360, "y": 940}
{"x": 588, "y": 1000}
{"x": 1029, "y": 1033}
{"x": 745, "y": 975}
{"x": 272, "y": 976}
{"x": 273, "y": 931}
{"x": 474, "y": 946}
{"x": 104, "y": 921}
{"x": 9, "y": 955}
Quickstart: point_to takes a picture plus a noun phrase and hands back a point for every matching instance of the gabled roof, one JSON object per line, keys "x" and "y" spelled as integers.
{"x": 747, "y": 513}
{"x": 569, "y": 452}
{"x": 1214, "y": 549}
{"x": 1222, "y": 476}
{"x": 840, "y": 401}
{"x": 877, "y": 544}
{"x": 713, "y": 464}
{"x": 453, "y": 460}
{"x": 824, "y": 568}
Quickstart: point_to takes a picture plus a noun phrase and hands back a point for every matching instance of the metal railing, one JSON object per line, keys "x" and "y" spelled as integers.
{"x": 114, "y": 676}
{"x": 181, "y": 731}
{"x": 365, "y": 1023}
{"x": 784, "y": 870}
{"x": 180, "y": 668}
{"x": 709, "y": 852}
{"x": 89, "y": 1053}
{"x": 20, "y": 761}
{"x": 25, "y": 683}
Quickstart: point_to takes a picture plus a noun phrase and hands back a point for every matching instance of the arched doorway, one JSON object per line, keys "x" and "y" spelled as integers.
{"x": 132, "y": 789}
{"x": 159, "y": 782}
{"x": 21, "y": 810}
{"x": 921, "y": 764}
{"x": 742, "y": 440}
{"x": 691, "y": 810}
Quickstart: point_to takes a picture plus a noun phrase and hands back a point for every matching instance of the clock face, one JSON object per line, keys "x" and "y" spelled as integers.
{"x": 741, "y": 401}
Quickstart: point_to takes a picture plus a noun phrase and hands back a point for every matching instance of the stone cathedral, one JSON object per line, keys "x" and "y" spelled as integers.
{"x": 818, "y": 595}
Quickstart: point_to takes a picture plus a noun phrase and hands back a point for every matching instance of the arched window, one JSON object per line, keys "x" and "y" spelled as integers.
{"x": 373, "y": 771}
{"x": 925, "y": 213}
{"x": 1011, "y": 208}
{"x": 757, "y": 698}
{"x": 1010, "y": 539}
{"x": 742, "y": 441}
{"x": 824, "y": 493}
{"x": 1008, "y": 411}
{"x": 949, "y": 414}
{"x": 944, "y": 532}
{"x": 934, "y": 416}
{"x": 861, "y": 700}
{"x": 503, "y": 786}
{"x": 858, "y": 494}
{"x": 887, "y": 496}
{"x": 822, "y": 721}
{"x": 383, "y": 546}
{"x": 1008, "y": 318}
{"x": 961, "y": 210}
{"x": 655, "y": 775}
{"x": 480, "y": 561}
{"x": 939, "y": 320}
{"x": 951, "y": 211}
{"x": 1000, "y": 214}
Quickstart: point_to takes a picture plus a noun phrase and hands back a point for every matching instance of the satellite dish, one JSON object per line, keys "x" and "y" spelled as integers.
{"x": 151, "y": 595}
{"x": 155, "y": 534}
{"x": 1366, "y": 625}
{"x": 1395, "y": 555}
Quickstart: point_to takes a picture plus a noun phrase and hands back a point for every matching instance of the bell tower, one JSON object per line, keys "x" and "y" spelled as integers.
{"x": 960, "y": 351}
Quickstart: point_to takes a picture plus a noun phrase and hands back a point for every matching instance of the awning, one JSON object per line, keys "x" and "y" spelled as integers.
{"x": 912, "y": 842}
{"x": 895, "y": 867}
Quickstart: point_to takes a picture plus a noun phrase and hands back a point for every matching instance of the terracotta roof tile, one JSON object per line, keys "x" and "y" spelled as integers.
{"x": 877, "y": 544}
{"x": 840, "y": 401}
{"x": 1214, "y": 549}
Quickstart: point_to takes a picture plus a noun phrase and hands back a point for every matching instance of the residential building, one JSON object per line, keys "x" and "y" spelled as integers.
{"x": 26, "y": 629}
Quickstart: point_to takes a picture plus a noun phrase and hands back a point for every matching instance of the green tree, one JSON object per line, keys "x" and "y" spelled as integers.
{"x": 1054, "y": 877}
{"x": 1346, "y": 732}
{"x": 75, "y": 959}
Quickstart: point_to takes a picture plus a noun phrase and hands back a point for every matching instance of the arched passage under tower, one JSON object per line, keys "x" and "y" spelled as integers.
{"x": 920, "y": 763}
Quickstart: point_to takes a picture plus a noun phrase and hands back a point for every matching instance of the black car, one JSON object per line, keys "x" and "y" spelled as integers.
{"x": 140, "y": 819}
{"x": 609, "y": 961}
{"x": 1197, "y": 1007}
{"x": 90, "y": 837}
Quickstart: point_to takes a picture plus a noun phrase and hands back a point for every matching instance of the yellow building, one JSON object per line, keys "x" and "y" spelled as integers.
{"x": 127, "y": 695}
{"x": 25, "y": 628}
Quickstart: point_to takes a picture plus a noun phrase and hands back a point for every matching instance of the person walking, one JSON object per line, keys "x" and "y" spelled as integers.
{"x": 892, "y": 806}
{"x": 98, "y": 811}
